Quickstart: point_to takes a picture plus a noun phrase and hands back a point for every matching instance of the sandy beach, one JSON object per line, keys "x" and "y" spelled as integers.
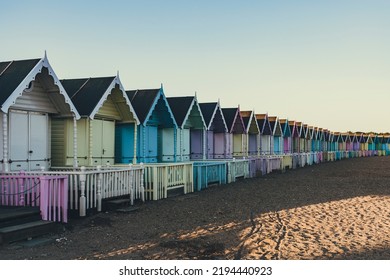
{"x": 335, "y": 210}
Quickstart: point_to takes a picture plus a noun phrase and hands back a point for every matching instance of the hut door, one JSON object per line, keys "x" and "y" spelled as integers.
{"x": 219, "y": 145}
{"x": 167, "y": 144}
{"x": 103, "y": 142}
{"x": 150, "y": 143}
{"x": 186, "y": 145}
{"x": 196, "y": 141}
{"x": 210, "y": 144}
{"x": 38, "y": 141}
{"x": 237, "y": 144}
{"x": 28, "y": 140}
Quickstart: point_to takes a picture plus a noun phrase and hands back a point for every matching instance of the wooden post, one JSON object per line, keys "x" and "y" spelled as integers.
{"x": 99, "y": 188}
{"x": 90, "y": 142}
{"x": 132, "y": 183}
{"x": 75, "y": 164}
{"x": 204, "y": 144}
{"x": 135, "y": 144}
{"x": 154, "y": 181}
{"x": 175, "y": 145}
{"x": 83, "y": 178}
{"x": 5, "y": 143}
{"x": 142, "y": 187}
{"x": 181, "y": 144}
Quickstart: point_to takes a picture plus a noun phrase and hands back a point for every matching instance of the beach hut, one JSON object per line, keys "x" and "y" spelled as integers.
{"x": 307, "y": 139}
{"x": 350, "y": 140}
{"x": 316, "y": 139}
{"x": 386, "y": 144}
{"x": 236, "y": 132}
{"x": 295, "y": 132}
{"x": 216, "y": 130}
{"x": 31, "y": 97}
{"x": 102, "y": 104}
{"x": 252, "y": 131}
{"x": 265, "y": 133}
{"x": 302, "y": 137}
{"x": 277, "y": 140}
{"x": 191, "y": 127}
{"x": 355, "y": 141}
{"x": 324, "y": 140}
{"x": 287, "y": 136}
{"x": 310, "y": 138}
{"x": 157, "y": 129}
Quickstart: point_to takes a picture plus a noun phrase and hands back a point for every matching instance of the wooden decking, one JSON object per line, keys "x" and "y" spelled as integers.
{"x": 20, "y": 223}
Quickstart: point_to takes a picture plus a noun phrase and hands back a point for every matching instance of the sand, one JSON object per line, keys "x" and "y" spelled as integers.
{"x": 335, "y": 210}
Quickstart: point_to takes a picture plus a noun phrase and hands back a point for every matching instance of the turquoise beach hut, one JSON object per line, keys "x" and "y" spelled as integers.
{"x": 191, "y": 134}
{"x": 157, "y": 129}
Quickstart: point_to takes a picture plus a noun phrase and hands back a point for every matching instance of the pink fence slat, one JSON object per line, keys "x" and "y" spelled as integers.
{"x": 54, "y": 198}
{"x": 19, "y": 190}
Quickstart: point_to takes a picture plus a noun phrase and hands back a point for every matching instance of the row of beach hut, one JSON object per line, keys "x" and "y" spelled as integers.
{"x": 94, "y": 126}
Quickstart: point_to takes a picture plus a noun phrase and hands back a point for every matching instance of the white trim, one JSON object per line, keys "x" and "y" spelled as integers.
{"x": 31, "y": 77}
{"x": 115, "y": 81}
{"x": 212, "y": 117}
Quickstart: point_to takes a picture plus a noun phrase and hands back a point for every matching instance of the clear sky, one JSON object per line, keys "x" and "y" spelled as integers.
{"x": 325, "y": 63}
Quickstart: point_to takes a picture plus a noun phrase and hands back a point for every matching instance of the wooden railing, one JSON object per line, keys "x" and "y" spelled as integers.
{"x": 237, "y": 168}
{"x": 161, "y": 178}
{"x": 209, "y": 172}
{"x": 50, "y": 193}
{"x": 88, "y": 186}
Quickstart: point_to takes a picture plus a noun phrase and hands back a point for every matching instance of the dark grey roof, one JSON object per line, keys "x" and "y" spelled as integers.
{"x": 142, "y": 101}
{"x": 230, "y": 116}
{"x": 208, "y": 111}
{"x": 12, "y": 73}
{"x": 180, "y": 107}
{"x": 246, "y": 121}
{"x": 86, "y": 93}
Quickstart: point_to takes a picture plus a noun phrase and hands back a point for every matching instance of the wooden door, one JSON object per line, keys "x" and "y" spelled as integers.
{"x": 196, "y": 141}
{"x": 28, "y": 141}
{"x": 103, "y": 142}
{"x": 151, "y": 143}
{"x": 108, "y": 142}
{"x": 219, "y": 145}
{"x": 38, "y": 141}
{"x": 167, "y": 144}
{"x": 186, "y": 145}
{"x": 237, "y": 144}
{"x": 19, "y": 138}
{"x": 210, "y": 144}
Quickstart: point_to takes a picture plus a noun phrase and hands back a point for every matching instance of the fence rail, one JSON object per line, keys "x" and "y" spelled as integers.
{"x": 49, "y": 193}
{"x": 160, "y": 178}
{"x": 87, "y": 187}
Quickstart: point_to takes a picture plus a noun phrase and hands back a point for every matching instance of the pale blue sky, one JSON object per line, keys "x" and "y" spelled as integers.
{"x": 325, "y": 63}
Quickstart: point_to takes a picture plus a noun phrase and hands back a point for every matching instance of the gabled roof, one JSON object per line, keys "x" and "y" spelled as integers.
{"x": 144, "y": 102}
{"x": 345, "y": 137}
{"x": 233, "y": 119}
{"x": 89, "y": 95}
{"x": 293, "y": 128}
{"x": 305, "y": 131}
{"x": 337, "y": 137}
{"x": 213, "y": 116}
{"x": 263, "y": 123}
{"x": 249, "y": 119}
{"x": 286, "y": 130}
{"x": 16, "y": 76}
{"x": 275, "y": 126}
{"x": 300, "y": 130}
{"x": 182, "y": 107}
{"x": 310, "y": 132}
